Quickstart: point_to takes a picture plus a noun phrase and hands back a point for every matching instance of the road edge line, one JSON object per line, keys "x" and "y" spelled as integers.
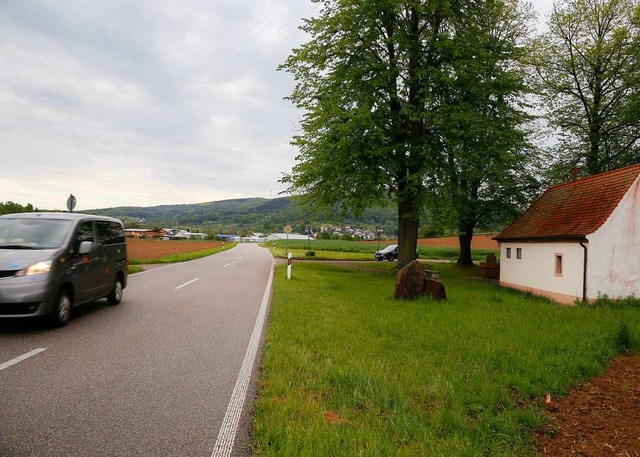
{"x": 186, "y": 284}
{"x": 229, "y": 427}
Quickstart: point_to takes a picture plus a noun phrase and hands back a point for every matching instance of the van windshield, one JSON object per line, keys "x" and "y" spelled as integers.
{"x": 29, "y": 233}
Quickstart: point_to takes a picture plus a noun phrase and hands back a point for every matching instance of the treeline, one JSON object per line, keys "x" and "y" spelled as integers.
{"x": 11, "y": 207}
{"x": 235, "y": 216}
{"x": 248, "y": 215}
{"x": 244, "y": 216}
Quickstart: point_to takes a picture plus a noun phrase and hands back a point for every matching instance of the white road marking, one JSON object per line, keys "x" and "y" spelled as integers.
{"x": 186, "y": 284}
{"x": 240, "y": 258}
{"x": 21, "y": 358}
{"x": 226, "y": 265}
{"x": 229, "y": 427}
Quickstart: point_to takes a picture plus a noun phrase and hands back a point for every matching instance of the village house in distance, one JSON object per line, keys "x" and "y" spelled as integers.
{"x": 164, "y": 234}
{"x": 578, "y": 240}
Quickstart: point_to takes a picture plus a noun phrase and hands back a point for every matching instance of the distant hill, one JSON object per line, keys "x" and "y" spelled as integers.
{"x": 245, "y": 214}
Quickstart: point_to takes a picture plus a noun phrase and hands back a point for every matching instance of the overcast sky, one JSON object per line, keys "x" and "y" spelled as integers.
{"x": 146, "y": 102}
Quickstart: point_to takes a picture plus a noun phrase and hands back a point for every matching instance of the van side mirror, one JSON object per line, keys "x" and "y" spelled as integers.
{"x": 85, "y": 247}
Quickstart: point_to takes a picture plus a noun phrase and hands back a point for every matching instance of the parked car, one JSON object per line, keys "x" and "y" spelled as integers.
{"x": 389, "y": 253}
{"x": 51, "y": 262}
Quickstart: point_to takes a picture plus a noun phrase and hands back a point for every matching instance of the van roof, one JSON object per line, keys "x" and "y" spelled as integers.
{"x": 60, "y": 215}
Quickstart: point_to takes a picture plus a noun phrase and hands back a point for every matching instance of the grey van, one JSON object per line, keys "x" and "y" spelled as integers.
{"x": 51, "y": 262}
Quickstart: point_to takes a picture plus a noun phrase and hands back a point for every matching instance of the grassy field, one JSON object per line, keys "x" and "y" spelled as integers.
{"x": 360, "y": 250}
{"x": 348, "y": 370}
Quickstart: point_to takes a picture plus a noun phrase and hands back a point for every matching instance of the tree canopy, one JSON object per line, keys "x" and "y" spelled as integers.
{"x": 487, "y": 158}
{"x": 399, "y": 94}
{"x": 587, "y": 70}
{"x": 10, "y": 207}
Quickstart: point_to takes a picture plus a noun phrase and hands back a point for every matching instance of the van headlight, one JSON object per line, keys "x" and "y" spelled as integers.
{"x": 36, "y": 268}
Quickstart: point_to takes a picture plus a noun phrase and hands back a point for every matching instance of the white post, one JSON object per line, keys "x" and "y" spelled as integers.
{"x": 289, "y": 261}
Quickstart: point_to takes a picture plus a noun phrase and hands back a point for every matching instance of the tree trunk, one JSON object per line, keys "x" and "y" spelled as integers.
{"x": 408, "y": 222}
{"x": 464, "y": 238}
{"x": 408, "y": 206}
{"x": 594, "y": 159}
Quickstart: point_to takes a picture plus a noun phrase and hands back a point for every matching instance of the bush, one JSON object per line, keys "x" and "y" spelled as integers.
{"x": 622, "y": 341}
{"x": 431, "y": 231}
{"x": 310, "y": 254}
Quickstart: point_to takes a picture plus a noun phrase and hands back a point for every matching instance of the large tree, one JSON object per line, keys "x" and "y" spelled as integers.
{"x": 587, "y": 67}
{"x": 374, "y": 81}
{"x": 487, "y": 160}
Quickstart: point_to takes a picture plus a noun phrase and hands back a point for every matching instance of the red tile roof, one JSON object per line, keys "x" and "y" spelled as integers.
{"x": 573, "y": 209}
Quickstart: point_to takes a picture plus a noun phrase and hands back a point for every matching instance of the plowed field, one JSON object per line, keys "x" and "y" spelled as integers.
{"x": 599, "y": 418}
{"x": 154, "y": 249}
{"x": 477, "y": 242}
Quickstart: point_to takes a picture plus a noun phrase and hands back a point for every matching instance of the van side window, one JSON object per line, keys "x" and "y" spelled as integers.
{"x": 110, "y": 233}
{"x": 84, "y": 233}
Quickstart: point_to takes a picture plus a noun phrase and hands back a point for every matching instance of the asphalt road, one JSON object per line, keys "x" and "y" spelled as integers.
{"x": 153, "y": 376}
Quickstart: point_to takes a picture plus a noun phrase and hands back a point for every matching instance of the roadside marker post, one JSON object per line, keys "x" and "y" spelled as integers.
{"x": 287, "y": 230}
{"x": 289, "y": 262}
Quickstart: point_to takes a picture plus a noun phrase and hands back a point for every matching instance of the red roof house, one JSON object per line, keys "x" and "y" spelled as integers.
{"x": 578, "y": 240}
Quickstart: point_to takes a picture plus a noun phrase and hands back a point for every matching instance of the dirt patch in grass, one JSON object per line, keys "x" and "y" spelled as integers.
{"x": 598, "y": 418}
{"x": 477, "y": 242}
{"x": 155, "y": 249}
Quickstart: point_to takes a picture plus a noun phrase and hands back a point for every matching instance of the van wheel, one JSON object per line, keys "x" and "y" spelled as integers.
{"x": 62, "y": 310}
{"x": 115, "y": 297}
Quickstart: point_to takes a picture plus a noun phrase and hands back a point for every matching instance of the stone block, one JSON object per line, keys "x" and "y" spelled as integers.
{"x": 435, "y": 289}
{"x": 410, "y": 281}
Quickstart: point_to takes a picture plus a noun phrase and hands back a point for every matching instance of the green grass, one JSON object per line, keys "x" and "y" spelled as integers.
{"x": 132, "y": 269}
{"x": 281, "y": 253}
{"x": 348, "y": 370}
{"x": 360, "y": 250}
